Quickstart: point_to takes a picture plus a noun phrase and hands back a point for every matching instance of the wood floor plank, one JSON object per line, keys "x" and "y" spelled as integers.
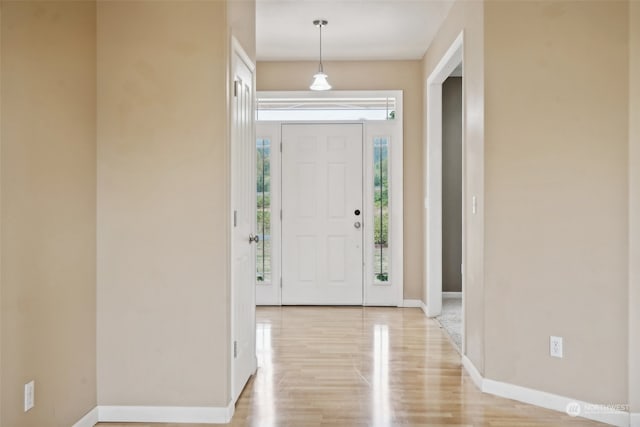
{"x": 373, "y": 367}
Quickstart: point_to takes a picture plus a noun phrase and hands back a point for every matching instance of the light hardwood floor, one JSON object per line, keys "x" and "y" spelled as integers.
{"x": 374, "y": 367}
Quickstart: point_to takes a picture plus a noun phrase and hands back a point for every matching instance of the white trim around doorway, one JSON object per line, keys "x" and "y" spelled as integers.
{"x": 374, "y": 294}
{"x": 433, "y": 193}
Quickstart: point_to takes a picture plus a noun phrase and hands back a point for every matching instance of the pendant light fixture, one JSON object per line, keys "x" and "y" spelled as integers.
{"x": 320, "y": 78}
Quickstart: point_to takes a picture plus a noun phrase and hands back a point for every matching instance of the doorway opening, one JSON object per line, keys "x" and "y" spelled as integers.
{"x": 450, "y": 317}
{"x": 327, "y": 194}
{"x": 445, "y": 193}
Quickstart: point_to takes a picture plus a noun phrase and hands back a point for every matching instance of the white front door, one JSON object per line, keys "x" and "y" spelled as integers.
{"x": 322, "y": 219}
{"x": 243, "y": 224}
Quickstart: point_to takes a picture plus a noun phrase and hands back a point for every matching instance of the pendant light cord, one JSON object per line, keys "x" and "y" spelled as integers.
{"x": 321, "y": 68}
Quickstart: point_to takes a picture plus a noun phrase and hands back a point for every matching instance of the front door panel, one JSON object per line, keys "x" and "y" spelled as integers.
{"x": 322, "y": 235}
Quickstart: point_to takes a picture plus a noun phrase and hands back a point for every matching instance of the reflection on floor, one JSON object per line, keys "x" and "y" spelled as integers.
{"x": 367, "y": 367}
{"x": 451, "y": 318}
{"x": 373, "y": 367}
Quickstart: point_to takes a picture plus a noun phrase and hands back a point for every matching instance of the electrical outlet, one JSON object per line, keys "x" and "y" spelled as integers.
{"x": 29, "y": 395}
{"x": 555, "y": 346}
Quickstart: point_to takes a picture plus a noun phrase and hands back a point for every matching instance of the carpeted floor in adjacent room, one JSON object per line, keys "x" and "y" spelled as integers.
{"x": 451, "y": 318}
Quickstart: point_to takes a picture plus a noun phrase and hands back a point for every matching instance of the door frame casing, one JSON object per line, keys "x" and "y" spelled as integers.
{"x": 272, "y": 294}
{"x": 433, "y": 188}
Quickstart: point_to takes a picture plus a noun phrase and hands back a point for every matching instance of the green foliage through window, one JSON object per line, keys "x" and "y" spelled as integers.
{"x": 263, "y": 209}
{"x": 381, "y": 208}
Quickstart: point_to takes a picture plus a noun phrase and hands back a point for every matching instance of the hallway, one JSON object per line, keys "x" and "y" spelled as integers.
{"x": 367, "y": 367}
{"x": 352, "y": 366}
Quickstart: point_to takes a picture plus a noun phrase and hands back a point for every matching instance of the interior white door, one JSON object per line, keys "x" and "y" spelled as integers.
{"x": 243, "y": 223}
{"x": 322, "y": 220}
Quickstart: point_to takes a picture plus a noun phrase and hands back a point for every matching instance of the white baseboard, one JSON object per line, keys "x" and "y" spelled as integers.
{"x": 166, "y": 414}
{"x": 635, "y": 420}
{"x": 473, "y": 372}
{"x": 452, "y": 294}
{"x": 547, "y": 400}
{"x": 89, "y": 420}
{"x": 554, "y": 402}
{"x": 423, "y": 306}
{"x": 412, "y": 303}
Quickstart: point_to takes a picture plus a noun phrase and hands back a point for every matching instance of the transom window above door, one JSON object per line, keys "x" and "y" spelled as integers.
{"x": 312, "y": 109}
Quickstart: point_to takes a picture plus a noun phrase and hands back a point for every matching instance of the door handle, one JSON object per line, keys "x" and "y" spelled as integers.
{"x": 357, "y": 224}
{"x": 253, "y": 238}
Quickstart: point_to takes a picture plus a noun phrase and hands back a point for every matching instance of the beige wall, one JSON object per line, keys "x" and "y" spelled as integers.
{"x": 452, "y": 184}
{"x": 377, "y": 75}
{"x": 163, "y": 283}
{"x": 48, "y": 211}
{"x": 468, "y": 16}
{"x": 556, "y": 196}
{"x": 634, "y": 207}
{"x": 1, "y": 131}
{"x": 241, "y": 19}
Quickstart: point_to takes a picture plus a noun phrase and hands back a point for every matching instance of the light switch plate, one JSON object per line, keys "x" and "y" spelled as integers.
{"x": 29, "y": 395}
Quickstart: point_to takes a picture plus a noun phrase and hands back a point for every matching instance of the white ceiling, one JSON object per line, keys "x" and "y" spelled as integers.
{"x": 357, "y": 29}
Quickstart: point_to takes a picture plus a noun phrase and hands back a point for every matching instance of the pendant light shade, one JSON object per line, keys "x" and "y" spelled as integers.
{"x": 320, "y": 82}
{"x": 320, "y": 78}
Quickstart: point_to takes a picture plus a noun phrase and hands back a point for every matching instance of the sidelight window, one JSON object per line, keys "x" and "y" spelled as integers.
{"x": 263, "y": 209}
{"x": 381, "y": 209}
